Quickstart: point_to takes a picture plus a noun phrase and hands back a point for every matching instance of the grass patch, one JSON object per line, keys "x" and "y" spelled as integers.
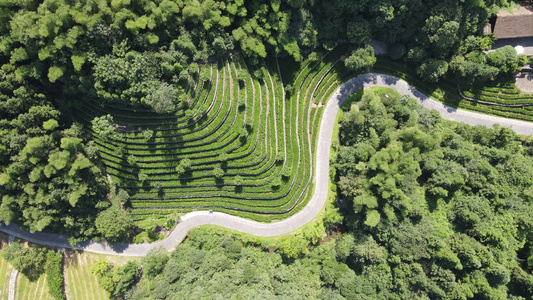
{"x": 79, "y": 282}
{"x": 5, "y": 272}
{"x": 30, "y": 290}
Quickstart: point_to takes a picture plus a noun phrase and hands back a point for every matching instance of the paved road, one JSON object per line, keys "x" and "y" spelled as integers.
{"x": 319, "y": 197}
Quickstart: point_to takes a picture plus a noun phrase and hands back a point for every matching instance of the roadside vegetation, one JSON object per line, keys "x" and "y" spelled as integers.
{"x": 80, "y": 283}
{"x": 41, "y": 270}
{"x": 423, "y": 197}
{"x": 146, "y": 110}
{"x": 498, "y": 97}
{"x": 117, "y": 117}
{"x": 431, "y": 208}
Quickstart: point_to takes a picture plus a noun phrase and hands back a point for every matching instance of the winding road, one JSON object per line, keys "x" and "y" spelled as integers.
{"x": 315, "y": 205}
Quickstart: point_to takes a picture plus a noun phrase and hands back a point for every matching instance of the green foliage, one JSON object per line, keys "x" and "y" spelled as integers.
{"x": 54, "y": 73}
{"x": 54, "y": 274}
{"x": 286, "y": 172}
{"x": 78, "y": 61}
{"x": 432, "y": 70}
{"x": 397, "y": 51}
{"x": 50, "y": 124}
{"x": 218, "y": 172}
{"x": 238, "y": 180}
{"x": 142, "y": 176}
{"x": 154, "y": 262}
{"x": 148, "y": 134}
{"x": 131, "y": 56}
{"x": 33, "y": 261}
{"x": 162, "y": 98}
{"x": 438, "y": 204}
{"x": 361, "y": 59}
{"x": 442, "y": 34}
{"x": 360, "y": 32}
{"x": 472, "y": 71}
{"x": 132, "y": 159}
{"x": 225, "y": 267}
{"x": 104, "y": 127}
{"x": 180, "y": 170}
{"x": 116, "y": 280}
{"x": 506, "y": 59}
{"x": 280, "y": 157}
{"x": 186, "y": 163}
{"x": 57, "y": 186}
{"x": 276, "y": 183}
{"x": 158, "y": 185}
{"x": 114, "y": 223}
{"x": 223, "y": 157}
{"x": 28, "y": 260}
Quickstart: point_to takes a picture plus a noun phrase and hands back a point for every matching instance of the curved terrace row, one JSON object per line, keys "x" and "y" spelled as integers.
{"x": 258, "y": 140}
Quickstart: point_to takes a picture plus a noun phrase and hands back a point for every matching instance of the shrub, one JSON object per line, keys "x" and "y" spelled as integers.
{"x": 432, "y": 70}
{"x": 313, "y": 56}
{"x": 286, "y": 172}
{"x": 50, "y": 124}
{"x": 132, "y": 159}
{"x": 218, "y": 172}
{"x": 276, "y": 183}
{"x": 158, "y": 185}
{"x": 142, "y": 176}
{"x": 223, "y": 157}
{"x": 161, "y": 97}
{"x": 154, "y": 262}
{"x": 288, "y": 90}
{"x": 180, "y": 170}
{"x": 242, "y": 74}
{"x": 243, "y": 132}
{"x": 397, "y": 51}
{"x": 148, "y": 134}
{"x": 241, "y": 102}
{"x": 114, "y": 223}
{"x": 238, "y": 180}
{"x": 103, "y": 126}
{"x": 249, "y": 122}
{"x": 28, "y": 260}
{"x": 185, "y": 163}
{"x": 361, "y": 58}
{"x": 54, "y": 272}
{"x": 115, "y": 280}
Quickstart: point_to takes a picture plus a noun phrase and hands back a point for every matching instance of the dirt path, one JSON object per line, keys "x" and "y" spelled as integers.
{"x": 12, "y": 276}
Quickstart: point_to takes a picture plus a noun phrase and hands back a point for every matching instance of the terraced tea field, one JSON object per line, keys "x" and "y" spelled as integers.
{"x": 236, "y": 145}
{"x": 5, "y": 272}
{"x": 499, "y": 99}
{"x": 30, "y": 290}
{"x": 80, "y": 284}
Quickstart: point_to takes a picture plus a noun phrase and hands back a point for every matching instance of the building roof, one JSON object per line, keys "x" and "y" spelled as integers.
{"x": 518, "y": 23}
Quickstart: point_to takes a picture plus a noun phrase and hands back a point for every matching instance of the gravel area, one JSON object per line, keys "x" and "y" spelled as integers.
{"x": 524, "y": 81}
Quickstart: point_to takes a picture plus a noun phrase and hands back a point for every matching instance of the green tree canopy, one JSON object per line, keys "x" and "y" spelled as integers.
{"x": 114, "y": 223}
{"x": 361, "y": 59}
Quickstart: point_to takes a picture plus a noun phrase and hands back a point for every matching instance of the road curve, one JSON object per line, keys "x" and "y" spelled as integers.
{"x": 315, "y": 205}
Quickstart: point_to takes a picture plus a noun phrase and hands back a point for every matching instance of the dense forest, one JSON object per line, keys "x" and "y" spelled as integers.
{"x": 438, "y": 209}
{"x": 142, "y": 53}
{"x": 433, "y": 210}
